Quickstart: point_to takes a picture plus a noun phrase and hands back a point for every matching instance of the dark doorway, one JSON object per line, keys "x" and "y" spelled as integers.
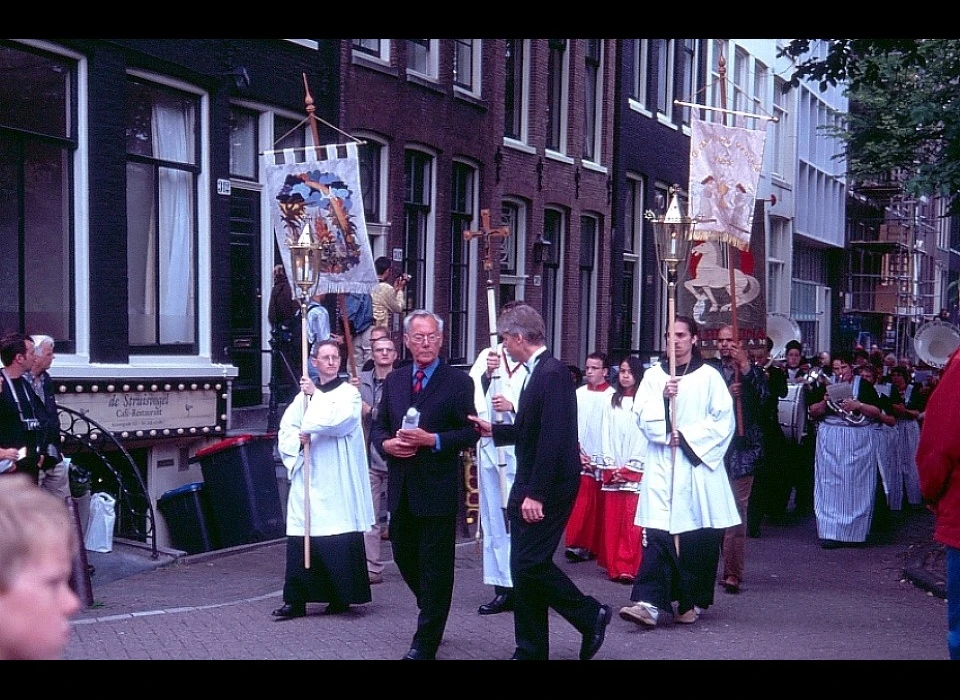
{"x": 245, "y": 295}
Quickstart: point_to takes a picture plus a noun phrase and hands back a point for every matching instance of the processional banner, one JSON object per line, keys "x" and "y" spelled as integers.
{"x": 318, "y": 194}
{"x": 725, "y": 163}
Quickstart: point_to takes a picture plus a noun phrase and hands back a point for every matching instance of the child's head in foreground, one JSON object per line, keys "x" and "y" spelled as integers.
{"x": 37, "y": 540}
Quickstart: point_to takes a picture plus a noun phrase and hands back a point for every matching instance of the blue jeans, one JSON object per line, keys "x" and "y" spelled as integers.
{"x": 953, "y": 603}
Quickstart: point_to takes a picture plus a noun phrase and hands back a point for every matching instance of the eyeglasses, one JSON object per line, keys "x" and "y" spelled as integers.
{"x": 418, "y": 338}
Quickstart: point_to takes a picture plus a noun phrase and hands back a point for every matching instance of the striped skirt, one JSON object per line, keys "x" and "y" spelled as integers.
{"x": 845, "y": 477}
{"x": 909, "y": 432}
{"x": 888, "y": 460}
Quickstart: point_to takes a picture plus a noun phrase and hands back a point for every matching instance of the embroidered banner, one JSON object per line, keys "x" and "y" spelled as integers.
{"x": 725, "y": 163}
{"x": 320, "y": 198}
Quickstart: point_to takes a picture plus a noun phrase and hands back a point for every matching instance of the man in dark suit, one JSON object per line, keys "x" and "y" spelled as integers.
{"x": 541, "y": 500}
{"x": 424, "y": 471}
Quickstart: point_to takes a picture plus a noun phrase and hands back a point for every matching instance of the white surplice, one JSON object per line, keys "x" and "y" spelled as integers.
{"x": 340, "y": 498}
{"x": 680, "y": 497}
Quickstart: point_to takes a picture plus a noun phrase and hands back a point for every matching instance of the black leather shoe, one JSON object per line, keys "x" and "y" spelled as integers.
{"x": 289, "y": 611}
{"x": 593, "y": 640}
{"x": 418, "y": 655}
{"x": 502, "y": 602}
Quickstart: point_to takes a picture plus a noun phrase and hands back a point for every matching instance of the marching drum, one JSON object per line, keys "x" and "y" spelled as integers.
{"x": 793, "y": 414}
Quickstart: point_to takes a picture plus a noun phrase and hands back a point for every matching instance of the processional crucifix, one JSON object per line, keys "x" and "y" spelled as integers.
{"x": 489, "y": 235}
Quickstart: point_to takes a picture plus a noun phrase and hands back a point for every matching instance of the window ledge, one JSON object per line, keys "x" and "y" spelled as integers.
{"x": 639, "y": 108}
{"x": 424, "y": 81}
{"x": 518, "y": 145}
{"x": 141, "y": 367}
{"x": 596, "y": 167}
{"x": 556, "y": 155}
{"x": 469, "y": 97}
{"x": 367, "y": 61}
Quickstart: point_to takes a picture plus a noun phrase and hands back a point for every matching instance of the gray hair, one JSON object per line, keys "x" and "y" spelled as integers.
{"x": 421, "y": 313}
{"x": 39, "y": 341}
{"x": 523, "y": 320}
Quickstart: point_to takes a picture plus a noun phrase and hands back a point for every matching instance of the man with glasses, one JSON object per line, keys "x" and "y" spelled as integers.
{"x": 424, "y": 471}
{"x": 371, "y": 390}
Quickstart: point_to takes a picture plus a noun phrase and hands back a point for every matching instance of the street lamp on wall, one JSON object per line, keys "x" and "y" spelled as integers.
{"x": 541, "y": 247}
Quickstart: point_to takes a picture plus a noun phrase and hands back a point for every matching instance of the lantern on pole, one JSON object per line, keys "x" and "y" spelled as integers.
{"x": 305, "y": 263}
{"x": 673, "y": 234}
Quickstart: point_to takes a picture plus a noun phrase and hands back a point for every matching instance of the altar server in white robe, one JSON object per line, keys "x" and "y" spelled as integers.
{"x": 494, "y": 487}
{"x": 341, "y": 508}
{"x": 685, "y": 500}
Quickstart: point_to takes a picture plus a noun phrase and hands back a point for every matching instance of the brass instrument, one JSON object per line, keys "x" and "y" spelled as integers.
{"x": 835, "y": 400}
{"x": 817, "y": 375}
{"x": 935, "y": 341}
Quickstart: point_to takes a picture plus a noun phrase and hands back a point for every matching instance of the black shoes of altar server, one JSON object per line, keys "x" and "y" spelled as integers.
{"x": 290, "y": 611}
{"x": 502, "y": 602}
{"x": 593, "y": 638}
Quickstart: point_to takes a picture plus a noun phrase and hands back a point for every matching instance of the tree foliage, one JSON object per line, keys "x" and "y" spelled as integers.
{"x": 904, "y": 117}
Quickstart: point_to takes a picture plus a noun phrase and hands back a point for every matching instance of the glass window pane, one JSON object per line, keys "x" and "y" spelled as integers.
{"x": 243, "y": 144}
{"x": 46, "y": 106}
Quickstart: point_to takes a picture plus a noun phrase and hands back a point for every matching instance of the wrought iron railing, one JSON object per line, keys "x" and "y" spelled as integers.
{"x": 94, "y": 449}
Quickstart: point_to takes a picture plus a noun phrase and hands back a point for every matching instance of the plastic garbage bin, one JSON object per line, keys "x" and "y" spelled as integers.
{"x": 240, "y": 482}
{"x": 188, "y": 517}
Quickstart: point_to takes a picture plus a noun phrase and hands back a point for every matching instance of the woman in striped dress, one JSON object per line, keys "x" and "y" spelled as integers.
{"x": 845, "y": 466}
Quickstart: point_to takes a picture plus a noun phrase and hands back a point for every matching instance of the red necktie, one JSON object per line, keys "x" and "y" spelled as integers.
{"x": 418, "y": 384}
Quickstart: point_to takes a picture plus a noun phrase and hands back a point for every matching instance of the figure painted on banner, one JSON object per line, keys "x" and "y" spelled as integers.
{"x": 495, "y": 486}
{"x": 340, "y": 506}
{"x": 37, "y": 542}
{"x": 709, "y": 277}
{"x": 685, "y": 497}
{"x": 622, "y": 453}
{"x": 543, "y": 493}
{"x": 938, "y": 462}
{"x": 582, "y": 536}
{"x": 425, "y": 472}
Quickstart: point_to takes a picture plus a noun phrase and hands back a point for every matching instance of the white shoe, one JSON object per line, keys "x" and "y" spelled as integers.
{"x": 641, "y": 613}
{"x": 687, "y": 618}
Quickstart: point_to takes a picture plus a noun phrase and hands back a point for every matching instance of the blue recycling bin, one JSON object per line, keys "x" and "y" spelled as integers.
{"x": 189, "y": 519}
{"x": 240, "y": 483}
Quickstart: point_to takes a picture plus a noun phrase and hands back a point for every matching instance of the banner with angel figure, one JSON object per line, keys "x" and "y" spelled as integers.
{"x": 725, "y": 163}
{"x": 319, "y": 198}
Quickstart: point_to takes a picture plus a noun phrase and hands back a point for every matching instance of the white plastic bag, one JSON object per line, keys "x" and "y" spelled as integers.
{"x": 98, "y": 536}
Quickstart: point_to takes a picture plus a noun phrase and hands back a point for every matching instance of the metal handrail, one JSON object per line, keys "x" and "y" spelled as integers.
{"x": 93, "y": 447}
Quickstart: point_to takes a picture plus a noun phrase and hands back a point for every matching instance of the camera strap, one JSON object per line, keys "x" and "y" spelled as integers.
{"x": 16, "y": 397}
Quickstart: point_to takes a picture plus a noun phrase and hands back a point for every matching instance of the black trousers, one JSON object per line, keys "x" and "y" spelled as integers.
{"x": 424, "y": 548}
{"x": 688, "y": 578}
{"x": 539, "y": 584}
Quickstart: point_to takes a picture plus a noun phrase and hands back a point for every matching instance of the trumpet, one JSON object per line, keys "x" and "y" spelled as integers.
{"x": 851, "y": 417}
{"x": 817, "y": 375}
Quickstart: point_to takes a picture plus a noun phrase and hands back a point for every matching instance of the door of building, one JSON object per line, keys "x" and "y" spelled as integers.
{"x": 245, "y": 297}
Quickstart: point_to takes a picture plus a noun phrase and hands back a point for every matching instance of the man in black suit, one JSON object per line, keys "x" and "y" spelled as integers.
{"x": 541, "y": 500}
{"x": 424, "y": 471}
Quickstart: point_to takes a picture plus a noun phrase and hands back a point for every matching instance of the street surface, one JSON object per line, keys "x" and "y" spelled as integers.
{"x": 798, "y": 602}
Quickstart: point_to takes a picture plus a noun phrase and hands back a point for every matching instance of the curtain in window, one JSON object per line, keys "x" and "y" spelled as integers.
{"x": 171, "y": 131}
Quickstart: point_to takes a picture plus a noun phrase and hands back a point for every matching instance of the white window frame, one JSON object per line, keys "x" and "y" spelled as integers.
{"x": 470, "y": 281}
{"x": 588, "y": 297}
{"x": 381, "y": 55}
{"x": 556, "y": 340}
{"x": 474, "y": 89}
{"x": 564, "y": 101}
{"x": 635, "y": 255}
{"x": 516, "y": 242}
{"x": 203, "y": 233}
{"x": 431, "y": 67}
{"x": 379, "y": 231}
{"x": 429, "y": 291}
{"x": 521, "y": 141}
{"x": 666, "y": 60}
{"x": 597, "y": 136}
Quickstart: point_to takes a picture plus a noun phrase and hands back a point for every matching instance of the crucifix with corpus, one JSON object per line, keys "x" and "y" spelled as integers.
{"x": 488, "y": 235}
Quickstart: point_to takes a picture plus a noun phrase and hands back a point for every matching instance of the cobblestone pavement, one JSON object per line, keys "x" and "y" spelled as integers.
{"x": 798, "y": 602}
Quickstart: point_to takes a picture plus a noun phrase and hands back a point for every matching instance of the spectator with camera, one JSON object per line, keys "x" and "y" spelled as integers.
{"x": 20, "y": 410}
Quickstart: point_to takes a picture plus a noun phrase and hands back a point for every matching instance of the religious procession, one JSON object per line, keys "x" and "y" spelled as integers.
{"x": 658, "y": 471}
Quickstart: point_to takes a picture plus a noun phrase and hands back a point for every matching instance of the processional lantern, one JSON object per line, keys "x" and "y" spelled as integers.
{"x": 673, "y": 234}
{"x": 305, "y": 261}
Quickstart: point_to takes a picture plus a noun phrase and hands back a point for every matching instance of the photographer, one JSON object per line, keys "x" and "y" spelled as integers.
{"x": 387, "y": 298}
{"x": 20, "y": 431}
